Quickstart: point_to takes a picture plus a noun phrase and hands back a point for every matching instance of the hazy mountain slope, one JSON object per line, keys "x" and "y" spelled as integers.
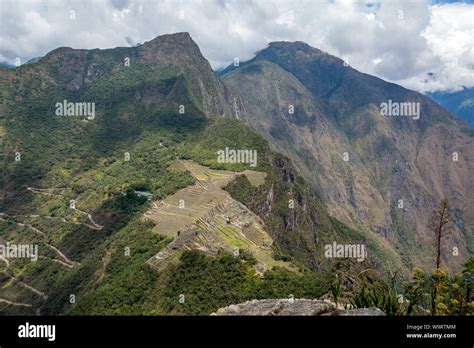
{"x": 6, "y": 65}
{"x": 460, "y": 103}
{"x": 337, "y": 111}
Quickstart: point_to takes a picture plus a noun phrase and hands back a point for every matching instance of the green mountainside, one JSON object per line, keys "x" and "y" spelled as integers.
{"x": 93, "y": 255}
{"x": 92, "y": 190}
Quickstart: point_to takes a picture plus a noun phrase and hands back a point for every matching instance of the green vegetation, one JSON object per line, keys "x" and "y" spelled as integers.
{"x": 221, "y": 133}
{"x": 209, "y": 283}
{"x": 73, "y": 195}
{"x": 135, "y": 136}
{"x": 439, "y": 294}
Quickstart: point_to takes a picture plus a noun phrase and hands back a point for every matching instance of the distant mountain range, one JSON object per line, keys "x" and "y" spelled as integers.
{"x": 6, "y": 65}
{"x": 11, "y": 66}
{"x": 459, "y": 103}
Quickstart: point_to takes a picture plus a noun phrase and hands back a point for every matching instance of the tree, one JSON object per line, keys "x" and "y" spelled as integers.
{"x": 468, "y": 272}
{"x": 415, "y": 291}
{"x": 439, "y": 224}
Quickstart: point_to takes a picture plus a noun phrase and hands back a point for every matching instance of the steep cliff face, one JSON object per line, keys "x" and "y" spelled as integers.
{"x": 301, "y": 226}
{"x": 382, "y": 173}
{"x": 180, "y": 50}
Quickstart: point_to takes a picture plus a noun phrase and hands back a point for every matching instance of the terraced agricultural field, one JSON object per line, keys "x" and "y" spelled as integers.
{"x": 205, "y": 217}
{"x": 182, "y": 209}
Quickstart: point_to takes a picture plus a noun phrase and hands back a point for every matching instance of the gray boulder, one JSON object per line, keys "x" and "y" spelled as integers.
{"x": 298, "y": 307}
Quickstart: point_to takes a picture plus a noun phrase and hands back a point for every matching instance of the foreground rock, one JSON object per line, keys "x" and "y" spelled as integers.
{"x": 293, "y": 307}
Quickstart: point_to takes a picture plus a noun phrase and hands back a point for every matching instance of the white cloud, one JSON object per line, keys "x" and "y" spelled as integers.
{"x": 450, "y": 38}
{"x": 398, "y": 41}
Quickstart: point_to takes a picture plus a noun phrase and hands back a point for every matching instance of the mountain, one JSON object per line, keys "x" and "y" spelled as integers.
{"x": 33, "y": 60}
{"x": 460, "y": 103}
{"x": 109, "y": 166}
{"x": 11, "y": 66}
{"x": 6, "y": 65}
{"x": 112, "y": 164}
{"x": 380, "y": 174}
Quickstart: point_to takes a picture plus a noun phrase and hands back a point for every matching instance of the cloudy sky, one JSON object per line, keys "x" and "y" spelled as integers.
{"x": 420, "y": 44}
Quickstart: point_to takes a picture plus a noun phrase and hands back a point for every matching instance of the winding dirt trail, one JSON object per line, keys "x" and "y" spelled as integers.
{"x": 31, "y": 288}
{"x": 95, "y": 225}
{"x": 27, "y": 286}
{"x": 15, "y": 303}
{"x": 64, "y": 258}
{"x": 50, "y": 192}
{"x": 4, "y": 259}
{"x": 45, "y": 191}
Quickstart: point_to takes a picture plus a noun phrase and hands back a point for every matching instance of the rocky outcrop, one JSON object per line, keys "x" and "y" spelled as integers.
{"x": 298, "y": 307}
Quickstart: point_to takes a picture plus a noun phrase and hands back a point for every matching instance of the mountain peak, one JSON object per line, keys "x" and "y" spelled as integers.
{"x": 297, "y": 50}
{"x": 287, "y": 52}
{"x": 181, "y": 37}
{"x": 180, "y": 40}
{"x": 293, "y": 46}
{"x": 170, "y": 48}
